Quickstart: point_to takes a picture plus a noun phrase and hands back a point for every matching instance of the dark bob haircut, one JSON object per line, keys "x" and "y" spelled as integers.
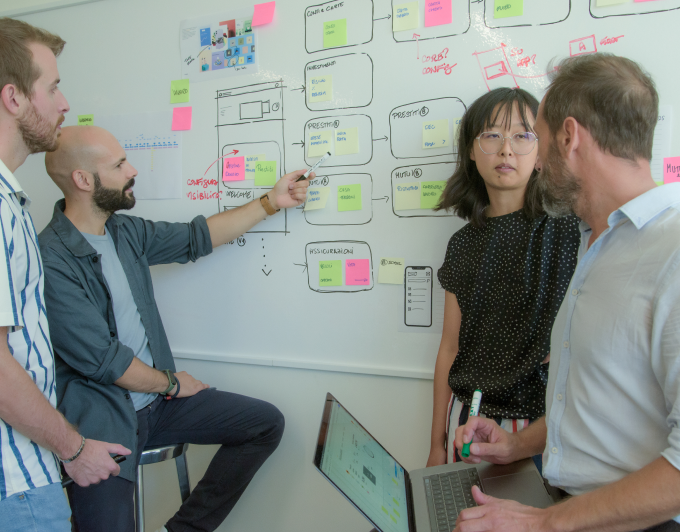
{"x": 465, "y": 193}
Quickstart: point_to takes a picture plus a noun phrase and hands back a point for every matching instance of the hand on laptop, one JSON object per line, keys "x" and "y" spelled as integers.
{"x": 500, "y": 515}
{"x": 489, "y": 442}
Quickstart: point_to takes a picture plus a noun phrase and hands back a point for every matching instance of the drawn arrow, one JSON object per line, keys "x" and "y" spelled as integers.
{"x": 415, "y": 36}
{"x": 266, "y": 273}
{"x": 304, "y": 266}
{"x": 234, "y": 152}
{"x": 381, "y": 138}
{"x": 386, "y": 198}
{"x": 388, "y": 17}
{"x": 301, "y": 144}
{"x": 299, "y": 89}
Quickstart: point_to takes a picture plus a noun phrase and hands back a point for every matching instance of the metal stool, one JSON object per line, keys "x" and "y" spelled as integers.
{"x": 153, "y": 456}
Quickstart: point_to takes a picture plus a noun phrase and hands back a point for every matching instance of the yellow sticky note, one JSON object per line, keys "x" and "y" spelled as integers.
{"x": 179, "y": 91}
{"x": 406, "y": 17}
{"x": 316, "y": 198}
{"x": 250, "y": 164}
{"x": 321, "y": 89}
{"x": 391, "y": 271}
{"x": 407, "y": 196}
{"x": 319, "y": 142}
{"x": 346, "y": 141}
{"x": 436, "y": 134}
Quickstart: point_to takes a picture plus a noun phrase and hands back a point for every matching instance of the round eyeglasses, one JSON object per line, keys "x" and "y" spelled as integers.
{"x": 491, "y": 142}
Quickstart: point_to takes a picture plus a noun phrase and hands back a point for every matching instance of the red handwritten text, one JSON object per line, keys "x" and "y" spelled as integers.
{"x": 204, "y": 195}
{"x": 204, "y": 183}
{"x": 610, "y": 40}
{"x": 526, "y": 61}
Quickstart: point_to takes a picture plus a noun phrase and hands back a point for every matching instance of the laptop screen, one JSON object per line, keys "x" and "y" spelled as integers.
{"x": 361, "y": 469}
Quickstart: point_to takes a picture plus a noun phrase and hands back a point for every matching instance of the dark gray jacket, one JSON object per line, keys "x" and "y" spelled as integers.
{"x": 89, "y": 357}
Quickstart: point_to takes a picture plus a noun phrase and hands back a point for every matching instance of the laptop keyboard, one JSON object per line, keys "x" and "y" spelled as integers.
{"x": 448, "y": 494}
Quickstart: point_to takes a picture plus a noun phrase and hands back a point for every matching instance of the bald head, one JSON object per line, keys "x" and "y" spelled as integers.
{"x": 84, "y": 148}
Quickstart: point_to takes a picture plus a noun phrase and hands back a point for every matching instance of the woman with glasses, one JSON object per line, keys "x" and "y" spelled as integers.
{"x": 505, "y": 274}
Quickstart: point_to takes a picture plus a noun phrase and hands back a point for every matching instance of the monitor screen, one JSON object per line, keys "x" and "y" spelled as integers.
{"x": 361, "y": 469}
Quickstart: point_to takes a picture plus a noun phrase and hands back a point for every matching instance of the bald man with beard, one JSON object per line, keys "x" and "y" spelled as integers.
{"x": 116, "y": 375}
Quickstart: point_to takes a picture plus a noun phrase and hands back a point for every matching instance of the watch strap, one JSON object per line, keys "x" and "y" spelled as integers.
{"x": 172, "y": 382}
{"x": 266, "y": 204}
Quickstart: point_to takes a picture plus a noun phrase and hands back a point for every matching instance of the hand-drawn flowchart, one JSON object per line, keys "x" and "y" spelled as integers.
{"x": 338, "y": 93}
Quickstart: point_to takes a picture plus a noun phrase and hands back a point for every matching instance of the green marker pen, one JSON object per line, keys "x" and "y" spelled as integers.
{"x": 474, "y": 410}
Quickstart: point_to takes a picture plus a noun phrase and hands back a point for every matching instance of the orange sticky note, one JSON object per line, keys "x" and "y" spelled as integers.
{"x": 181, "y": 118}
{"x": 264, "y": 13}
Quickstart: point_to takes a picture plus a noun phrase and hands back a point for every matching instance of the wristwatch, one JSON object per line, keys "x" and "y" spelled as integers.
{"x": 172, "y": 381}
{"x": 266, "y": 204}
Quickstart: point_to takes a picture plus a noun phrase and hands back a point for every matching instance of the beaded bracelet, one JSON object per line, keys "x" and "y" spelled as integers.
{"x": 80, "y": 450}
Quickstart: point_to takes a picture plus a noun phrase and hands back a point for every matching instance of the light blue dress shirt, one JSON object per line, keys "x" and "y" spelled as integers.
{"x": 613, "y": 396}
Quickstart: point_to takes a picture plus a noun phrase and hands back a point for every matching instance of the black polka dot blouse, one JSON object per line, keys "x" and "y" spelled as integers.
{"x": 509, "y": 278}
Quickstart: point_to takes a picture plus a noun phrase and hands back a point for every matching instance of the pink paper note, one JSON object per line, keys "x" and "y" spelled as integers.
{"x": 181, "y": 118}
{"x": 234, "y": 169}
{"x": 671, "y": 170}
{"x": 437, "y": 12}
{"x": 264, "y": 13}
{"x": 357, "y": 272}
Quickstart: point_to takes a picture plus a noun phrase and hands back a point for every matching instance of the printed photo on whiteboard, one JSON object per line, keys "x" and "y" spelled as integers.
{"x": 218, "y": 46}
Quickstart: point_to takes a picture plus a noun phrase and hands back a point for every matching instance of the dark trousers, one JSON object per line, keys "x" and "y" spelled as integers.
{"x": 249, "y": 430}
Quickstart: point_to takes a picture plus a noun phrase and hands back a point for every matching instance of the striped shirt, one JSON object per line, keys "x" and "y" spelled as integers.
{"x": 25, "y": 465}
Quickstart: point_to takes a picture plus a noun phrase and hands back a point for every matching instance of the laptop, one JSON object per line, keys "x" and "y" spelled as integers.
{"x": 424, "y": 500}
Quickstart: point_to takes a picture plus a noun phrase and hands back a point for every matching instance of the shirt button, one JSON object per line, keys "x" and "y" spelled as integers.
{"x": 566, "y": 344}
{"x": 554, "y": 450}
{"x": 95, "y": 259}
{"x": 112, "y": 334}
{"x": 127, "y": 396}
{"x": 574, "y": 292}
{"x": 559, "y": 396}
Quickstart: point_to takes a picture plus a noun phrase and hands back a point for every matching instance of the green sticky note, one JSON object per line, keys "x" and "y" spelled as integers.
{"x": 179, "y": 91}
{"x": 430, "y": 191}
{"x": 321, "y": 89}
{"x": 85, "y": 120}
{"x": 335, "y": 33}
{"x": 349, "y": 198}
{"x": 330, "y": 273}
{"x": 405, "y": 17}
{"x": 391, "y": 271}
{"x": 508, "y": 8}
{"x": 385, "y": 510}
{"x": 265, "y": 173}
{"x": 436, "y": 134}
{"x": 407, "y": 196}
{"x": 346, "y": 141}
{"x": 319, "y": 142}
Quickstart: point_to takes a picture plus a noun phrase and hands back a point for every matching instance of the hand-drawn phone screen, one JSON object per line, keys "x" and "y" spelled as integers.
{"x": 418, "y": 296}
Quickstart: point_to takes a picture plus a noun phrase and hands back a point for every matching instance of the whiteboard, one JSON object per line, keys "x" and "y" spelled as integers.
{"x": 258, "y": 300}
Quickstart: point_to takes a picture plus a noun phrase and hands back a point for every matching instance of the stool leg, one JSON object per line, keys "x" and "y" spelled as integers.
{"x": 139, "y": 501}
{"x": 183, "y": 476}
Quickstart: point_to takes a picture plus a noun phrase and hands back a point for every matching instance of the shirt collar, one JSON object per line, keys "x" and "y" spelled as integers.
{"x": 10, "y": 185}
{"x": 645, "y": 207}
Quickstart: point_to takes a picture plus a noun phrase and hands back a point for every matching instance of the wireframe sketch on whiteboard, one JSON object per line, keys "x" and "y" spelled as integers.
{"x": 218, "y": 46}
{"x": 153, "y": 149}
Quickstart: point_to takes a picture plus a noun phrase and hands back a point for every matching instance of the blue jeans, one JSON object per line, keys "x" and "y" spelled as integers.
{"x": 41, "y": 509}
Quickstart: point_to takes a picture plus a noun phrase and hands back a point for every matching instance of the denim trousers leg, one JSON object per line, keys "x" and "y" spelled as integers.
{"x": 41, "y": 509}
{"x": 248, "y": 430}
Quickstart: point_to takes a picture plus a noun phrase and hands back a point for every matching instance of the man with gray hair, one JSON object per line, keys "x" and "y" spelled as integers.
{"x": 32, "y": 432}
{"x": 611, "y": 435}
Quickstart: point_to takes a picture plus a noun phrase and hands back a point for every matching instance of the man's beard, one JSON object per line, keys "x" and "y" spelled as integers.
{"x": 558, "y": 187}
{"x": 110, "y": 200}
{"x": 38, "y": 134}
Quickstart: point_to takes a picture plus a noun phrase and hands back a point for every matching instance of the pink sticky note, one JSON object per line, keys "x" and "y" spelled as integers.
{"x": 234, "y": 169}
{"x": 357, "y": 271}
{"x": 181, "y": 118}
{"x": 437, "y": 12}
{"x": 671, "y": 170}
{"x": 264, "y": 13}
